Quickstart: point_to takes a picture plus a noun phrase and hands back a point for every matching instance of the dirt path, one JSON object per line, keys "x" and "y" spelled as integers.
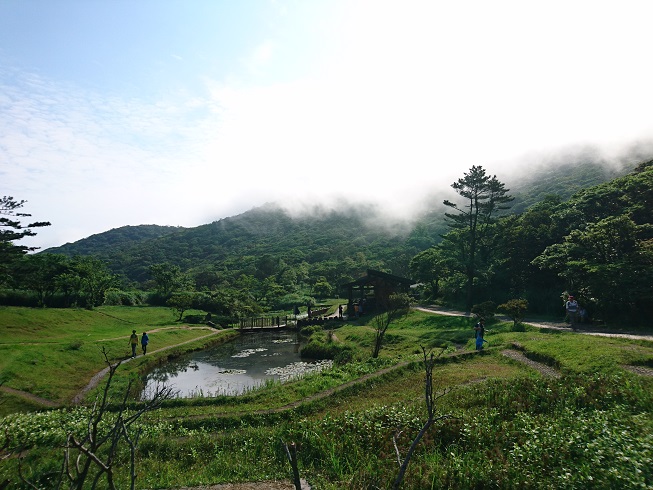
{"x": 585, "y": 329}
{"x": 95, "y": 380}
{"x": 28, "y": 396}
{"x": 538, "y": 366}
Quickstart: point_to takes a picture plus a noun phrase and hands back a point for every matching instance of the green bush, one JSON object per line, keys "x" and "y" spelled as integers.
{"x": 309, "y": 330}
{"x": 75, "y": 345}
{"x": 515, "y": 309}
{"x": 318, "y": 349}
{"x": 289, "y": 301}
{"x": 195, "y": 319}
{"x": 117, "y": 297}
{"x": 518, "y": 327}
{"x": 16, "y": 297}
{"x": 485, "y": 310}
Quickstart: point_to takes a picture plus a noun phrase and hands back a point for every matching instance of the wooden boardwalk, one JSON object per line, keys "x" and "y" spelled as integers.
{"x": 266, "y": 323}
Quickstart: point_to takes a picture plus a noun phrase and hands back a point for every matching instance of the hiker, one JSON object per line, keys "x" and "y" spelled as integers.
{"x": 340, "y": 311}
{"x": 479, "y": 329}
{"x": 571, "y": 306}
{"x": 144, "y": 341}
{"x": 133, "y": 341}
{"x": 479, "y": 341}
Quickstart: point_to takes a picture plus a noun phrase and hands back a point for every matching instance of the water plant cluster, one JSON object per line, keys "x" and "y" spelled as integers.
{"x": 298, "y": 369}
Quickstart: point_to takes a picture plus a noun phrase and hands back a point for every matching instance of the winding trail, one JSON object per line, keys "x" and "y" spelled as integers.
{"x": 585, "y": 329}
{"x": 28, "y": 396}
{"x": 543, "y": 369}
{"x": 95, "y": 380}
{"x": 513, "y": 354}
{"x": 97, "y": 377}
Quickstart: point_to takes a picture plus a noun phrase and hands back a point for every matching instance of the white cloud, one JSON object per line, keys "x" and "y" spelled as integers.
{"x": 406, "y": 97}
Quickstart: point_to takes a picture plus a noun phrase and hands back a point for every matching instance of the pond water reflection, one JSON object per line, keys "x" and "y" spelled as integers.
{"x": 235, "y": 367}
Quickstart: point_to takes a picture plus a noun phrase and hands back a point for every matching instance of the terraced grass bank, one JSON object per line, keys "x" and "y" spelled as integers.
{"x": 510, "y": 425}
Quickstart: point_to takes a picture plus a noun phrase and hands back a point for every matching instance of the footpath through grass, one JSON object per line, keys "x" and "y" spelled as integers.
{"x": 507, "y": 425}
{"x": 54, "y": 353}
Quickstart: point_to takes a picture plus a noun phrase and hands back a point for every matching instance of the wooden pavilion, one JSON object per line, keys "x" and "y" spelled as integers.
{"x": 374, "y": 289}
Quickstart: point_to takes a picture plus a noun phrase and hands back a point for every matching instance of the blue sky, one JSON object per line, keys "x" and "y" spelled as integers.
{"x": 172, "y": 112}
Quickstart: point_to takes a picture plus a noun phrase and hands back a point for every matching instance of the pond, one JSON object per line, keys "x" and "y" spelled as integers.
{"x": 234, "y": 368}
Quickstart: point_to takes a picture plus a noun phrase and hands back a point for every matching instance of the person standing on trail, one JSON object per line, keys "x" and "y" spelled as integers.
{"x": 133, "y": 341}
{"x": 479, "y": 329}
{"x": 479, "y": 341}
{"x": 571, "y": 306}
{"x": 144, "y": 341}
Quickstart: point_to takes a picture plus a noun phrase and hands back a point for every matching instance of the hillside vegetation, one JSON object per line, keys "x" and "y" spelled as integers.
{"x": 593, "y": 243}
{"x": 316, "y": 236}
{"x": 574, "y": 416}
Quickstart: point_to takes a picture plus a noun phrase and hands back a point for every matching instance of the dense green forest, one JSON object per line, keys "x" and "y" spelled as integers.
{"x": 577, "y": 229}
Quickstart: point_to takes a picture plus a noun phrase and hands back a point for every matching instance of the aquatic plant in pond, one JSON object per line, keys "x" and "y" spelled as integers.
{"x": 248, "y": 352}
{"x": 298, "y": 369}
{"x": 235, "y": 368}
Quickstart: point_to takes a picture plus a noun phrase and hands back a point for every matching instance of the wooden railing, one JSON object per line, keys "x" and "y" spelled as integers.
{"x": 265, "y": 322}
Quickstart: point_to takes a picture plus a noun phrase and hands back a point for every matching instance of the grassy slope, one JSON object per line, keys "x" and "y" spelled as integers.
{"x": 53, "y": 353}
{"x": 231, "y": 439}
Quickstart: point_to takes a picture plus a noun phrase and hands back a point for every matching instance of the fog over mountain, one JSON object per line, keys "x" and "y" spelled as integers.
{"x": 180, "y": 113}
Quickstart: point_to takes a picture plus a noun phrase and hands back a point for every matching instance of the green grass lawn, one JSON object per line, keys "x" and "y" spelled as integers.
{"x": 53, "y": 353}
{"x": 506, "y": 425}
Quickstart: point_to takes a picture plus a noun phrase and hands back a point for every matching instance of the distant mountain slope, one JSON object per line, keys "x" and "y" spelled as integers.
{"x": 358, "y": 236}
{"x": 238, "y": 242}
{"x": 117, "y": 238}
{"x": 561, "y": 179}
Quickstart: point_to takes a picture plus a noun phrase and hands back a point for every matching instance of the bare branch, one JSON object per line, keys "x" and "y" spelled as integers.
{"x": 430, "y": 399}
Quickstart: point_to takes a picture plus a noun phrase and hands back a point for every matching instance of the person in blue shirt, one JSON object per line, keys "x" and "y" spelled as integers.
{"x": 144, "y": 341}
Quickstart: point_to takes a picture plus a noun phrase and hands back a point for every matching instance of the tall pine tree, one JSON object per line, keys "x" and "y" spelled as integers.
{"x": 483, "y": 198}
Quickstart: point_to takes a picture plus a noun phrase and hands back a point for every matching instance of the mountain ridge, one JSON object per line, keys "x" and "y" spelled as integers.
{"x": 350, "y": 233}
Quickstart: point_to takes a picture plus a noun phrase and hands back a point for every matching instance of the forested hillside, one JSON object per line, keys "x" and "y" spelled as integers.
{"x": 109, "y": 241}
{"x": 236, "y": 245}
{"x": 563, "y": 179}
{"x": 597, "y": 243}
{"x": 359, "y": 236}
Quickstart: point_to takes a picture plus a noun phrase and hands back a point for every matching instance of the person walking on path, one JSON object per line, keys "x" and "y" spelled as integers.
{"x": 144, "y": 341}
{"x": 479, "y": 328}
{"x": 479, "y": 333}
{"x": 571, "y": 306}
{"x": 133, "y": 341}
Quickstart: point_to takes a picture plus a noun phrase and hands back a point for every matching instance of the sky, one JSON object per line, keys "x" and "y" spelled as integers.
{"x": 183, "y": 112}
